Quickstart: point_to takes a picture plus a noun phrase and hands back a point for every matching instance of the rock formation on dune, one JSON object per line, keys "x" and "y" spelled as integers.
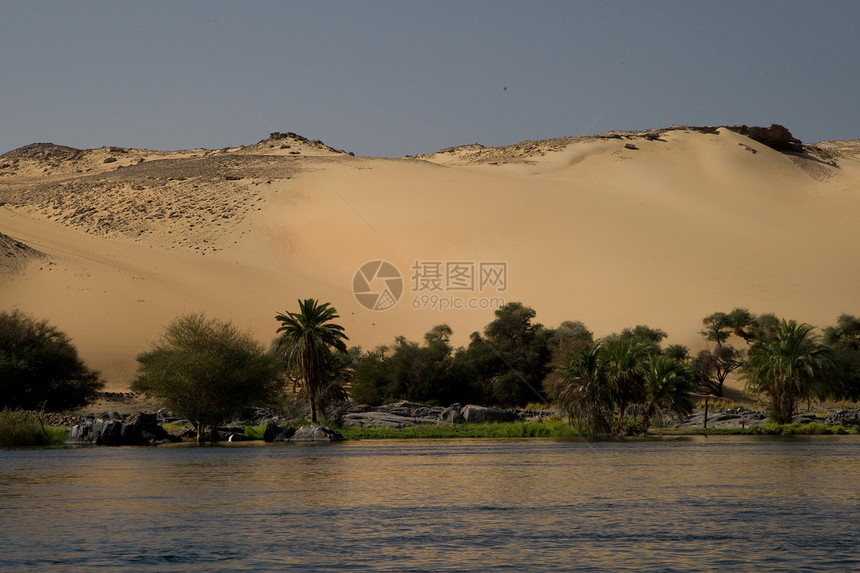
{"x": 14, "y": 254}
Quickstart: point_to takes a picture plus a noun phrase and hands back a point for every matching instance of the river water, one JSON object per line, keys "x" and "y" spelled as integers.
{"x": 709, "y": 504}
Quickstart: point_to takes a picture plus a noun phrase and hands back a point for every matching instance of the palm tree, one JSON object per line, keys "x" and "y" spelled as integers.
{"x": 668, "y": 383}
{"x": 307, "y": 342}
{"x": 786, "y": 367}
{"x": 624, "y": 357}
{"x": 583, "y": 391}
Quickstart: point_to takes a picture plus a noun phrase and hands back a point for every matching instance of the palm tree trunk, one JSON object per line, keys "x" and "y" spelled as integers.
{"x": 313, "y": 410}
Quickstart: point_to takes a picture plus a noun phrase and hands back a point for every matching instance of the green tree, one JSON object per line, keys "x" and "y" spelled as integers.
{"x": 40, "y": 367}
{"x": 583, "y": 390}
{"x": 432, "y": 373}
{"x": 668, "y": 383}
{"x": 372, "y": 378}
{"x": 206, "y": 370}
{"x": 786, "y": 366}
{"x": 512, "y": 357}
{"x": 624, "y": 357}
{"x": 308, "y": 338}
{"x": 844, "y": 339}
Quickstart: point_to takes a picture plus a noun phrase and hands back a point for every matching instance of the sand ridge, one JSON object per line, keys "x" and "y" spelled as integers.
{"x": 658, "y": 227}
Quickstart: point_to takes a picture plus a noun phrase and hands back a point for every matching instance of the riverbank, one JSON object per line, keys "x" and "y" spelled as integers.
{"x": 408, "y": 420}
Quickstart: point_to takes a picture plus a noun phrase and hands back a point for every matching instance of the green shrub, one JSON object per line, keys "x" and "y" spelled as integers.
{"x": 255, "y": 432}
{"x": 21, "y": 428}
{"x": 207, "y": 371}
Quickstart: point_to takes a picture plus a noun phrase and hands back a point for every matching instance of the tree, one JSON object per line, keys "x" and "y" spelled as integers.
{"x": 207, "y": 371}
{"x": 786, "y": 367}
{"x": 430, "y": 373}
{"x": 844, "y": 340}
{"x": 713, "y": 366}
{"x": 307, "y": 341}
{"x": 623, "y": 356}
{"x": 40, "y": 367}
{"x": 668, "y": 383}
{"x": 569, "y": 338}
{"x": 512, "y": 357}
{"x": 583, "y": 391}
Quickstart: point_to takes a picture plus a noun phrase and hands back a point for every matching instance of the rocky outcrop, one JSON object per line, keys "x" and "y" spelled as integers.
{"x": 402, "y": 414}
{"x": 776, "y": 136}
{"x": 15, "y": 255}
{"x": 844, "y": 417}
{"x": 316, "y": 434}
{"x": 739, "y": 416}
{"x": 452, "y": 415}
{"x": 112, "y": 429}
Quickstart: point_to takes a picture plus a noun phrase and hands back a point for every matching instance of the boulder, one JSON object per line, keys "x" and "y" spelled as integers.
{"x": 276, "y": 433}
{"x": 107, "y": 432}
{"x": 479, "y": 414}
{"x": 452, "y": 415}
{"x": 316, "y": 434}
{"x": 81, "y": 433}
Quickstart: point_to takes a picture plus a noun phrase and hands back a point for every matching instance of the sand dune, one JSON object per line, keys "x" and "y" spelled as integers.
{"x": 658, "y": 228}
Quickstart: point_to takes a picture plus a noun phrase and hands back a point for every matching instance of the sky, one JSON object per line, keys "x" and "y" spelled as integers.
{"x": 395, "y": 78}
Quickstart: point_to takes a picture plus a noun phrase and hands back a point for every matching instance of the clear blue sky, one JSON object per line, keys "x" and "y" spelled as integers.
{"x": 402, "y": 77}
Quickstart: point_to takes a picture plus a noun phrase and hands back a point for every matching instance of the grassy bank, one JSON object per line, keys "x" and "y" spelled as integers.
{"x": 558, "y": 429}
{"x": 18, "y": 428}
{"x": 766, "y": 429}
{"x": 550, "y": 429}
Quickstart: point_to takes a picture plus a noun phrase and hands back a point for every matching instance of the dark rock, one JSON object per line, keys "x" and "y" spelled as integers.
{"x": 107, "y": 432}
{"x": 776, "y": 136}
{"x": 276, "y": 433}
{"x": 140, "y": 429}
{"x": 844, "y": 417}
{"x": 720, "y": 416}
{"x": 110, "y": 159}
{"x": 80, "y": 434}
{"x": 630, "y": 146}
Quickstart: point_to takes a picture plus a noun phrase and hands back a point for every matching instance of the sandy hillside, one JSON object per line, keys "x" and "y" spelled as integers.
{"x": 658, "y": 228}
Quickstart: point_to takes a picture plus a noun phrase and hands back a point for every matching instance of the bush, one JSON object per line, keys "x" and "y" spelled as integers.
{"x": 208, "y": 371}
{"x": 40, "y": 368}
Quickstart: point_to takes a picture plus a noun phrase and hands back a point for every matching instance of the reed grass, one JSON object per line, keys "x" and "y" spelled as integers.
{"x": 21, "y": 428}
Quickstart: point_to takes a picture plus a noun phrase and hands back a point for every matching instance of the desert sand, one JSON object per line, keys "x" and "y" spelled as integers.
{"x": 659, "y": 228}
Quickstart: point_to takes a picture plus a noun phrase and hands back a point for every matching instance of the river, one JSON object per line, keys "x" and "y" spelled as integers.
{"x": 704, "y": 503}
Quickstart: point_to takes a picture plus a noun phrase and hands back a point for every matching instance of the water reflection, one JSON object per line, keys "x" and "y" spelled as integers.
{"x": 707, "y": 504}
